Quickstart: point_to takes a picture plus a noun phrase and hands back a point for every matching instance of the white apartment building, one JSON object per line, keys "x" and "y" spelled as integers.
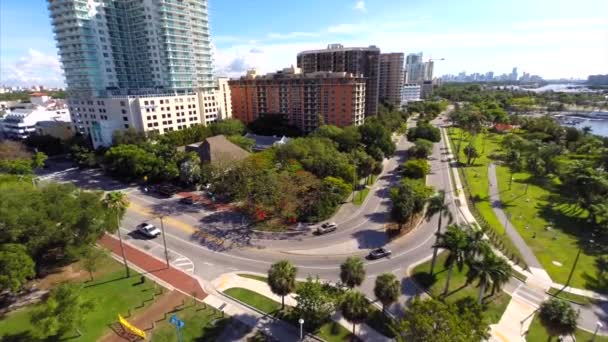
{"x": 20, "y": 122}
{"x": 410, "y": 93}
{"x": 99, "y": 118}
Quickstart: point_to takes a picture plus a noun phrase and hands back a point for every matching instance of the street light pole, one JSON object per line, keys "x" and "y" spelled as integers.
{"x": 122, "y": 247}
{"x": 301, "y": 321}
{"x": 578, "y": 254}
{"x": 598, "y": 325}
{"x": 162, "y": 227}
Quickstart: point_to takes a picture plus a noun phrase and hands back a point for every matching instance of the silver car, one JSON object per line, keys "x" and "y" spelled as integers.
{"x": 148, "y": 230}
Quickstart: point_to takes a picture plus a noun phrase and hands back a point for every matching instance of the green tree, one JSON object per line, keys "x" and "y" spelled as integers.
{"x": 471, "y": 153}
{"x": 117, "y": 203}
{"x": 374, "y": 135}
{"x": 355, "y": 308}
{"x": 190, "y": 169}
{"x": 132, "y": 161}
{"x": 416, "y": 168}
{"x": 438, "y": 206}
{"x": 490, "y": 270}
{"x": 433, "y": 320}
{"x": 424, "y": 131}
{"x": 422, "y": 149}
{"x": 352, "y": 272}
{"x": 242, "y": 141}
{"x": 314, "y": 303}
{"x": 558, "y": 317}
{"x": 62, "y": 312}
{"x": 454, "y": 241}
{"x": 227, "y": 127}
{"x": 16, "y": 267}
{"x": 282, "y": 279}
{"x": 92, "y": 258}
{"x": 387, "y": 289}
{"x": 477, "y": 245}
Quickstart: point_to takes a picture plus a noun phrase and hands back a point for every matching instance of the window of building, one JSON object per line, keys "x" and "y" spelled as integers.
{"x": 124, "y": 118}
{"x": 126, "y": 125}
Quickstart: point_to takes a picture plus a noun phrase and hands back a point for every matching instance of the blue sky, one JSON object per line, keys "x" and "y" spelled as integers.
{"x": 552, "y": 38}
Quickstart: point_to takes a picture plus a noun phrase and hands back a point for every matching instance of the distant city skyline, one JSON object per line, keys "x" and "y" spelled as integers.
{"x": 551, "y": 38}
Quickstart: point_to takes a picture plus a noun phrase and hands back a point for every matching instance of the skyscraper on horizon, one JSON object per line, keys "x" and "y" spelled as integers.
{"x": 145, "y": 65}
{"x": 120, "y": 47}
{"x": 360, "y": 61}
{"x": 391, "y": 77}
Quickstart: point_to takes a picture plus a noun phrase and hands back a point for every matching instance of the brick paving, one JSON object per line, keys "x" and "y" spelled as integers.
{"x": 175, "y": 277}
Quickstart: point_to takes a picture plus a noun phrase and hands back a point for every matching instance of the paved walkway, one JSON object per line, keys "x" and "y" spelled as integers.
{"x": 156, "y": 268}
{"x": 535, "y": 267}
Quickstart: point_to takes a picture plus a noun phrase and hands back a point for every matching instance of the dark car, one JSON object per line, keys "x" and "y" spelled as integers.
{"x": 326, "y": 228}
{"x": 166, "y": 190}
{"x": 187, "y": 200}
{"x": 379, "y": 253}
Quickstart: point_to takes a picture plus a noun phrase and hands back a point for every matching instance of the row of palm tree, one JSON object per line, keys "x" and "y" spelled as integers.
{"x": 466, "y": 245}
{"x": 354, "y": 305}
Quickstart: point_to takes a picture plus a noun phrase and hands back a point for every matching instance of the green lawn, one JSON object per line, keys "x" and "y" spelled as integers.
{"x": 539, "y": 208}
{"x": 200, "y": 324}
{"x": 537, "y": 332}
{"x": 253, "y": 276}
{"x": 330, "y": 331}
{"x": 362, "y": 194}
{"x": 531, "y": 213}
{"x": 110, "y": 291}
{"x": 494, "y": 306}
{"x": 570, "y": 296}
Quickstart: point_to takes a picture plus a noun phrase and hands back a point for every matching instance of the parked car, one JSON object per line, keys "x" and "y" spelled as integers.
{"x": 148, "y": 230}
{"x": 166, "y": 190}
{"x": 379, "y": 253}
{"x": 326, "y": 227}
{"x": 187, "y": 200}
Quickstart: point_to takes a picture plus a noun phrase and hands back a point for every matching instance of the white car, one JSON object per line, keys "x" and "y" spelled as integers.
{"x": 327, "y": 227}
{"x": 148, "y": 230}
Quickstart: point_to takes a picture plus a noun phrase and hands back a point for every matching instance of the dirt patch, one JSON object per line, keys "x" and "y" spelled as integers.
{"x": 72, "y": 273}
{"x": 159, "y": 311}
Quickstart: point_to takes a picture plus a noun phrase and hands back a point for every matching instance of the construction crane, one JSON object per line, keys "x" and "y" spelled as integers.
{"x": 436, "y": 59}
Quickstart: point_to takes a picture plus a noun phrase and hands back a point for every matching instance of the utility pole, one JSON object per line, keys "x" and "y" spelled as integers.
{"x": 162, "y": 228}
{"x": 122, "y": 247}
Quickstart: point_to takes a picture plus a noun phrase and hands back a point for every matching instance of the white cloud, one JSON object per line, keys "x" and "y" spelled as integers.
{"x": 346, "y": 28}
{"x": 292, "y": 35}
{"x": 34, "y": 68}
{"x": 360, "y": 6}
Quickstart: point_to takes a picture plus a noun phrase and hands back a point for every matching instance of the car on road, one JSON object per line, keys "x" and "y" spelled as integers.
{"x": 148, "y": 230}
{"x": 167, "y": 190}
{"x": 187, "y": 200}
{"x": 379, "y": 253}
{"x": 326, "y": 227}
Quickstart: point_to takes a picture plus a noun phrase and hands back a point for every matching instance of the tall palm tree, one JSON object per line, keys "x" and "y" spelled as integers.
{"x": 117, "y": 202}
{"x": 282, "y": 279}
{"x": 477, "y": 246}
{"x": 489, "y": 270}
{"x": 437, "y": 205}
{"x": 355, "y": 308}
{"x": 386, "y": 289}
{"x": 454, "y": 240}
{"x": 352, "y": 272}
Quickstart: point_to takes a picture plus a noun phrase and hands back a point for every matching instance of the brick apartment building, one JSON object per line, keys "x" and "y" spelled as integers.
{"x": 306, "y": 99}
{"x": 356, "y": 60}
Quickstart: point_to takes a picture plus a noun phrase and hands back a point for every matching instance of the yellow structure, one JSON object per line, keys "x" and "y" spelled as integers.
{"x": 131, "y": 328}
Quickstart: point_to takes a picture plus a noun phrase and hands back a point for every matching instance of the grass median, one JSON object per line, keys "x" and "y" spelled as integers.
{"x": 537, "y": 332}
{"x": 493, "y": 305}
{"x": 330, "y": 331}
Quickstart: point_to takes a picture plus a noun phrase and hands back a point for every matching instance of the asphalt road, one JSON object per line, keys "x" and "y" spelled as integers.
{"x": 209, "y": 243}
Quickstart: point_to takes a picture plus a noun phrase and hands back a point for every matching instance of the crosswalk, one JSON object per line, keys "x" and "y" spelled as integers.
{"x": 530, "y": 295}
{"x": 184, "y": 264}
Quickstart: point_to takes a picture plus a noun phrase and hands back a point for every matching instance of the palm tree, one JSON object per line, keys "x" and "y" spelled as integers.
{"x": 489, "y": 270}
{"x": 558, "y": 317}
{"x": 437, "y": 205}
{"x": 117, "y": 202}
{"x": 352, "y": 272}
{"x": 386, "y": 289}
{"x": 355, "y": 308}
{"x": 477, "y": 246}
{"x": 454, "y": 240}
{"x": 282, "y": 279}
